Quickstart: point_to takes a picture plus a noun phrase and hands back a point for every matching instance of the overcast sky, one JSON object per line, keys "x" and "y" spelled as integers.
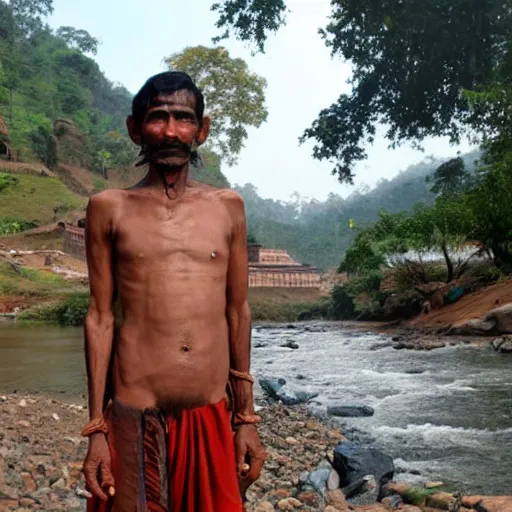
{"x": 302, "y": 77}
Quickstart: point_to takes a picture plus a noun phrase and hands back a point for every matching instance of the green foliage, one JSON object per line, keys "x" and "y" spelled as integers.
{"x": 7, "y": 180}
{"x": 450, "y": 178}
{"x": 17, "y": 280}
{"x": 410, "y": 61}
{"x": 319, "y": 232}
{"x": 38, "y": 198}
{"x": 45, "y": 77}
{"x": 69, "y": 312}
{"x": 210, "y": 170}
{"x": 251, "y": 21}
{"x": 342, "y": 305}
{"x": 234, "y": 97}
{"x": 10, "y": 226}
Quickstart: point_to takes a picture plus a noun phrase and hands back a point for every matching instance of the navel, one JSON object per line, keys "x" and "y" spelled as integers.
{"x": 185, "y": 348}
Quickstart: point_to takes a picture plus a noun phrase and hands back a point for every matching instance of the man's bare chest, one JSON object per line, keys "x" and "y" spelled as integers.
{"x": 181, "y": 236}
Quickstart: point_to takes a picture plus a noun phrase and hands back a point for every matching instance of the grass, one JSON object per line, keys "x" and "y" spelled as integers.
{"x": 29, "y": 282}
{"x": 37, "y": 198}
{"x": 280, "y": 304}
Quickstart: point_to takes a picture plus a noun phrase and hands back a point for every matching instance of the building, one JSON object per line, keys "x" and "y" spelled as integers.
{"x": 274, "y": 268}
{"x": 268, "y": 268}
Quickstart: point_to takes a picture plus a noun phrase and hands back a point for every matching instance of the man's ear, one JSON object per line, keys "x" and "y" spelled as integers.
{"x": 133, "y": 130}
{"x": 204, "y": 130}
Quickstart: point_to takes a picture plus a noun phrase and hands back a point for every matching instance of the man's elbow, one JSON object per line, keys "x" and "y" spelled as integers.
{"x": 96, "y": 320}
{"x": 240, "y": 311}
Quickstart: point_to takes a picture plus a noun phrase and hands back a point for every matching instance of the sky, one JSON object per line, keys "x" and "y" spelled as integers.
{"x": 303, "y": 78}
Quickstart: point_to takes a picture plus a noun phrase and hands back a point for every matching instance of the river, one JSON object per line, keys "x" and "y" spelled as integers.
{"x": 444, "y": 414}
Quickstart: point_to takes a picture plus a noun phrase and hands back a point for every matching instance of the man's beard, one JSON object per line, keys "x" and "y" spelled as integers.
{"x": 168, "y": 156}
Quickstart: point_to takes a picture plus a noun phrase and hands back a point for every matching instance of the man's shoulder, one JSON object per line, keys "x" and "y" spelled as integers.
{"x": 108, "y": 196}
{"x": 105, "y": 201}
{"x": 229, "y": 197}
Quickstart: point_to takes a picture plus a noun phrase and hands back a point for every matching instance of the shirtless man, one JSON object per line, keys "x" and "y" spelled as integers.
{"x": 174, "y": 252}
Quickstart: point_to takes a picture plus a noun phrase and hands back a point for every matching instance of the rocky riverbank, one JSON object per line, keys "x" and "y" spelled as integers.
{"x": 41, "y": 457}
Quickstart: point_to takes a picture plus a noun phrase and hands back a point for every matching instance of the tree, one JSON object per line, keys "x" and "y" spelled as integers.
{"x": 450, "y": 178}
{"x": 234, "y": 97}
{"x": 250, "y": 20}
{"x": 420, "y": 68}
{"x": 78, "y": 38}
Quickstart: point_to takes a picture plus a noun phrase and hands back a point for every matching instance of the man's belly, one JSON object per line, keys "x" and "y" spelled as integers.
{"x": 172, "y": 352}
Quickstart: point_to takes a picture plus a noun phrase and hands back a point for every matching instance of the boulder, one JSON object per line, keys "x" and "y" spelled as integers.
{"x": 502, "y": 318}
{"x": 350, "y": 411}
{"x": 353, "y": 463}
{"x": 473, "y": 328}
{"x": 503, "y": 345}
{"x": 279, "y": 390}
{"x": 488, "y": 503}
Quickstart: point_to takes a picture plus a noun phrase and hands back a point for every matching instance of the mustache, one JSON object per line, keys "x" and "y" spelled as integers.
{"x": 151, "y": 152}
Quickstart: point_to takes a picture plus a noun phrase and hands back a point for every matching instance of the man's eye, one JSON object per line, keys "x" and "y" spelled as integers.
{"x": 157, "y": 116}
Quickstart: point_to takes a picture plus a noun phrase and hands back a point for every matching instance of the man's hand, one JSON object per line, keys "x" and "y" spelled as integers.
{"x": 98, "y": 475}
{"x": 250, "y": 456}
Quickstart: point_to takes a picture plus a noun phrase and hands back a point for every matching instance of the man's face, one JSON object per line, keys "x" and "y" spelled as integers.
{"x": 170, "y": 130}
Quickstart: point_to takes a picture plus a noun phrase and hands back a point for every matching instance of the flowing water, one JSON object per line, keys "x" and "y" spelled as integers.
{"x": 444, "y": 414}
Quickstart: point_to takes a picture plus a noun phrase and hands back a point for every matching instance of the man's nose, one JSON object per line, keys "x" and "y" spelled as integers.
{"x": 171, "y": 128}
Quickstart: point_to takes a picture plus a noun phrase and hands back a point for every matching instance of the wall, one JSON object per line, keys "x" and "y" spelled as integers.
{"x": 286, "y": 278}
{"x": 74, "y": 241}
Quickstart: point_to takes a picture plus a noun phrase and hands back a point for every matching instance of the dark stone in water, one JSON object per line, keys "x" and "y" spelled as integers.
{"x": 415, "y": 371}
{"x": 379, "y": 346}
{"x": 271, "y": 386}
{"x": 300, "y": 377}
{"x": 276, "y": 390}
{"x": 353, "y": 463}
{"x": 350, "y": 411}
{"x": 290, "y": 344}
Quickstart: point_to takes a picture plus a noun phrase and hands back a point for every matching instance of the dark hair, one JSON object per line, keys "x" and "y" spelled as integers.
{"x": 166, "y": 82}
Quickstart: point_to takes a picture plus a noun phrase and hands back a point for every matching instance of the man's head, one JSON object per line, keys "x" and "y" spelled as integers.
{"x": 168, "y": 121}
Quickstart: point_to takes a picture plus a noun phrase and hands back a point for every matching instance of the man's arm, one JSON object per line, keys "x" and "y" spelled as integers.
{"x": 237, "y": 307}
{"x": 99, "y": 322}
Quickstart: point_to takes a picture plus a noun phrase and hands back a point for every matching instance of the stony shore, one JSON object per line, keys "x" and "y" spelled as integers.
{"x": 41, "y": 457}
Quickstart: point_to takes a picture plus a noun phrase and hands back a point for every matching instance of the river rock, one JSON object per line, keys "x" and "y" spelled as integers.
{"x": 472, "y": 328}
{"x": 353, "y": 463}
{"x": 502, "y": 318}
{"x": 503, "y": 345}
{"x": 290, "y": 344}
{"x": 350, "y": 411}
{"x": 488, "y": 503}
{"x": 271, "y": 386}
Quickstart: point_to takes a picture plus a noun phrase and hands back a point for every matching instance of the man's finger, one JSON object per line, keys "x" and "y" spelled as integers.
{"x": 92, "y": 484}
{"x": 107, "y": 480}
{"x": 255, "y": 471}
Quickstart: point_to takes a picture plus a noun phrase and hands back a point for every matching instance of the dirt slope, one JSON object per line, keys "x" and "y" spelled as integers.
{"x": 474, "y": 305}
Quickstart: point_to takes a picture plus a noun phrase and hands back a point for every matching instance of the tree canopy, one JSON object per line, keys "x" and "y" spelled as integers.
{"x": 234, "y": 97}
{"x": 421, "y": 68}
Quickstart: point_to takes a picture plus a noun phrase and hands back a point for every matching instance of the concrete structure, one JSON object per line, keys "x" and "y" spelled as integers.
{"x": 268, "y": 268}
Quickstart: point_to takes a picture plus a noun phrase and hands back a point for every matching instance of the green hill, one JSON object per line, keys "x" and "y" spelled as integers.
{"x": 29, "y": 201}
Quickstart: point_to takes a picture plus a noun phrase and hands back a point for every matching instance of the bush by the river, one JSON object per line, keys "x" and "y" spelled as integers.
{"x": 70, "y": 312}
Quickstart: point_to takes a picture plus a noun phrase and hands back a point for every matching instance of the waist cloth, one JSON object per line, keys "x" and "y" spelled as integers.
{"x": 163, "y": 462}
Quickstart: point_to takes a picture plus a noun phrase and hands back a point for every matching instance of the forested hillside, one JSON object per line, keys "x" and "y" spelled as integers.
{"x": 45, "y": 76}
{"x": 319, "y": 232}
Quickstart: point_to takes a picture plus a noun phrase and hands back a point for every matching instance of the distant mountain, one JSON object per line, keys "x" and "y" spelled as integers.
{"x": 318, "y": 232}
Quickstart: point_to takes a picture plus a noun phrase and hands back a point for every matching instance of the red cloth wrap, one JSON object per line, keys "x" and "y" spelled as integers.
{"x": 202, "y": 475}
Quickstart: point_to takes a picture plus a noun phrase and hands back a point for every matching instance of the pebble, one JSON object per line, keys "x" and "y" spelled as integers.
{"x": 23, "y": 403}
{"x": 55, "y": 416}
{"x": 288, "y": 504}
